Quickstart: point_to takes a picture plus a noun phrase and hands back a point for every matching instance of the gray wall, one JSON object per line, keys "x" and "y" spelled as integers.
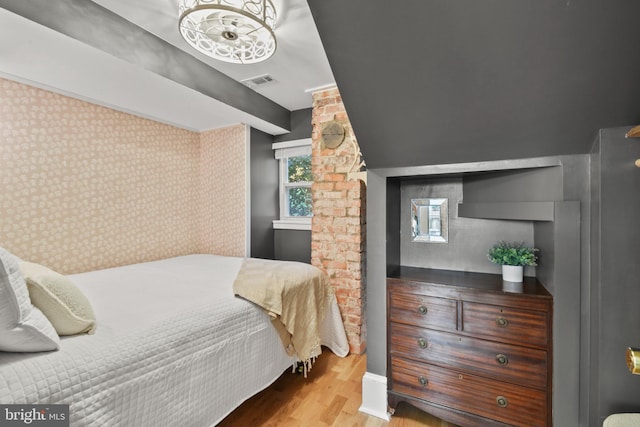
{"x": 524, "y": 185}
{"x": 383, "y": 221}
{"x": 294, "y": 245}
{"x": 469, "y": 81}
{"x": 264, "y": 194}
{"x": 559, "y": 270}
{"x": 564, "y": 257}
{"x": 615, "y": 292}
{"x": 469, "y": 238}
{"x": 300, "y": 125}
{"x": 288, "y": 245}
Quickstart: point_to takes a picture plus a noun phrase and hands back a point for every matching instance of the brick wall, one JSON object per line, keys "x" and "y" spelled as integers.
{"x": 338, "y": 225}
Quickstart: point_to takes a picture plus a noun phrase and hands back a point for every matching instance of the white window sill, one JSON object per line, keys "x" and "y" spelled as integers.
{"x": 292, "y": 224}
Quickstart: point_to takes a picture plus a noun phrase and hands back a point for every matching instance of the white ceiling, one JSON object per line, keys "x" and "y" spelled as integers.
{"x": 48, "y": 59}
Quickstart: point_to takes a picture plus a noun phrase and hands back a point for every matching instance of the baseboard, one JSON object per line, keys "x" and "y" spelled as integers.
{"x": 374, "y": 396}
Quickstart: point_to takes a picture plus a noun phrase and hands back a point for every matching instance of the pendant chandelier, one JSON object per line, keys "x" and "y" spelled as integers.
{"x": 237, "y": 31}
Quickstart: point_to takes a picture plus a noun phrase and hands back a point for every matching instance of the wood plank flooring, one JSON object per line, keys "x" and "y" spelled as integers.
{"x": 329, "y": 396}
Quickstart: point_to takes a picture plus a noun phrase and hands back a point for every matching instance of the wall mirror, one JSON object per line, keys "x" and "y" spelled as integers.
{"x": 430, "y": 220}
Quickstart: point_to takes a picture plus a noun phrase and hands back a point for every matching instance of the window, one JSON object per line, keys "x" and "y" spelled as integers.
{"x": 295, "y": 184}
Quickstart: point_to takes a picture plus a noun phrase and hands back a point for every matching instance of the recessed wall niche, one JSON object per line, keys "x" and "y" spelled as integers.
{"x": 517, "y": 184}
{"x": 468, "y": 238}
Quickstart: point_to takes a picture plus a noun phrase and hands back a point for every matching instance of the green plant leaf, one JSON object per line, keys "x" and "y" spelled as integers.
{"x": 512, "y": 254}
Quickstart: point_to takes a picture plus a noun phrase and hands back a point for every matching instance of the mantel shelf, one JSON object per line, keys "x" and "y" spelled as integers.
{"x": 521, "y": 211}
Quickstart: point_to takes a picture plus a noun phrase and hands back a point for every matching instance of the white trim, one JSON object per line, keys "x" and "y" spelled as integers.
{"x": 299, "y": 147}
{"x": 282, "y": 152}
{"x": 292, "y": 224}
{"x": 319, "y": 88}
{"x": 374, "y": 396}
{"x": 289, "y": 144}
{"x": 247, "y": 166}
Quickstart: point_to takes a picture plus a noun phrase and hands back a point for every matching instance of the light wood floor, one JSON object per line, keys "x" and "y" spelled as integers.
{"x": 329, "y": 396}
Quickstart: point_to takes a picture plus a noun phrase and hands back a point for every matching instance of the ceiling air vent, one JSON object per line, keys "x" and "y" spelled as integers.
{"x": 258, "y": 80}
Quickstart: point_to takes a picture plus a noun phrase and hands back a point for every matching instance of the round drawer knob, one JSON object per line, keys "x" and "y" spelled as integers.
{"x": 502, "y": 322}
{"x": 502, "y": 401}
{"x": 423, "y": 381}
{"x": 422, "y": 309}
{"x": 422, "y": 343}
{"x": 502, "y": 359}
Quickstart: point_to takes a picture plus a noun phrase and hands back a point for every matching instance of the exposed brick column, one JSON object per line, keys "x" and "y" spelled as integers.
{"x": 339, "y": 216}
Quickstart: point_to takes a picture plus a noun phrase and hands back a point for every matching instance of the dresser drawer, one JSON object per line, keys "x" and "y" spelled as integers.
{"x": 505, "y": 324}
{"x": 422, "y": 310}
{"x": 504, "y": 362}
{"x": 507, "y": 403}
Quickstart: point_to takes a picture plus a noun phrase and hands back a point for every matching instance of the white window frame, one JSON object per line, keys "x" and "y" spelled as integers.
{"x": 282, "y": 151}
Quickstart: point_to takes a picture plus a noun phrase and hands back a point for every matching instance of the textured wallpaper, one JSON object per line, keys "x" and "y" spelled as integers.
{"x": 84, "y": 187}
{"x": 223, "y": 155}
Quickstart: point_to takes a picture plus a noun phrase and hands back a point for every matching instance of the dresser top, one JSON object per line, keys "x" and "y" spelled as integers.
{"x": 480, "y": 281}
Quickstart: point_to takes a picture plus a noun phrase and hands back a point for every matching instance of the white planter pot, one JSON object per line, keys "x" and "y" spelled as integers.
{"x": 512, "y": 273}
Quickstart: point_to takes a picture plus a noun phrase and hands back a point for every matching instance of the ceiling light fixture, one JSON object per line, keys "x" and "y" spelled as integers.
{"x": 237, "y": 31}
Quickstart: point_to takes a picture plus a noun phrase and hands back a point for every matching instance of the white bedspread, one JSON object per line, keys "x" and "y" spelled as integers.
{"x": 173, "y": 347}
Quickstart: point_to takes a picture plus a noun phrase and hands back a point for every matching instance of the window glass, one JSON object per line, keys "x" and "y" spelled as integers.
{"x": 299, "y": 169}
{"x": 298, "y": 186}
{"x": 299, "y": 202}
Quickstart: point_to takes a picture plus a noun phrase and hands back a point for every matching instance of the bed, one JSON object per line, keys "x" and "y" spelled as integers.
{"x": 172, "y": 346}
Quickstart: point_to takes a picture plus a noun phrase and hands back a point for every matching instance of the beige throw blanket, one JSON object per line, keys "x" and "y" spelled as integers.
{"x": 294, "y": 294}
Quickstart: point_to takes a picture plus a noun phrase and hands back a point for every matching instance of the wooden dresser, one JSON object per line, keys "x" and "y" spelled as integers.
{"x": 465, "y": 350}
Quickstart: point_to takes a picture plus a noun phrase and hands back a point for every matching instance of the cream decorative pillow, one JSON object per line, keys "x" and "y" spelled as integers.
{"x": 66, "y": 307}
{"x": 23, "y": 328}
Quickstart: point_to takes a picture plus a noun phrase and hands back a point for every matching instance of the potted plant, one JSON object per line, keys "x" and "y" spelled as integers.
{"x": 513, "y": 257}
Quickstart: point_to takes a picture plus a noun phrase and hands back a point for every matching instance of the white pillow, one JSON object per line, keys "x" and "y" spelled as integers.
{"x": 23, "y": 328}
{"x": 64, "y": 305}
